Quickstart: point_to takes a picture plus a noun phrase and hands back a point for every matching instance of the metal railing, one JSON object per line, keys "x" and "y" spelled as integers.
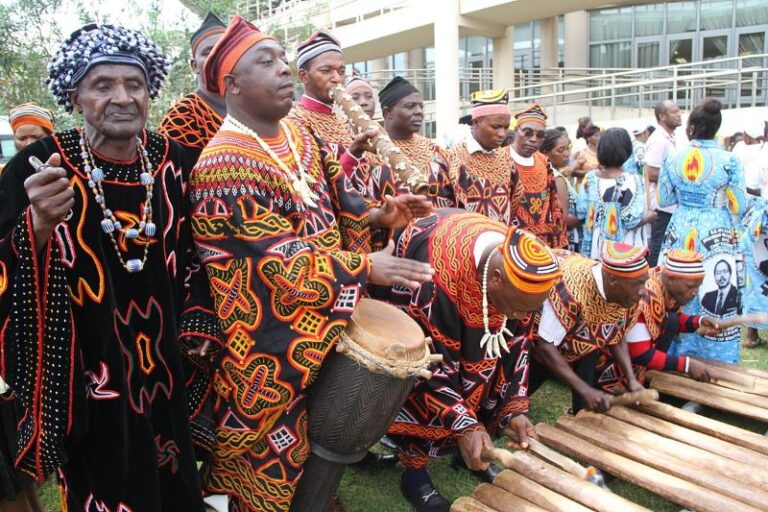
{"x": 737, "y": 81}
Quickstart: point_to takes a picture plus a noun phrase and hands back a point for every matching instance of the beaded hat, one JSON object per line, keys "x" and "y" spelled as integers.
{"x": 624, "y": 260}
{"x": 488, "y": 103}
{"x": 239, "y": 37}
{"x": 684, "y": 263}
{"x": 533, "y": 114}
{"x": 529, "y": 264}
{"x": 397, "y": 89}
{"x": 211, "y": 25}
{"x": 317, "y": 44}
{"x": 96, "y": 44}
{"x": 31, "y": 113}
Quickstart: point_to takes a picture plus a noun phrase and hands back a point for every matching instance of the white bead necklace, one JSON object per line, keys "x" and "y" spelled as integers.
{"x": 493, "y": 342}
{"x": 300, "y": 181}
{"x": 110, "y": 224}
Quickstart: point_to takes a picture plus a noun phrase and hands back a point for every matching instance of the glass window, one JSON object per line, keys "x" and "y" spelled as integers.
{"x": 716, "y": 14}
{"x": 648, "y": 54}
{"x": 399, "y": 61}
{"x": 429, "y": 57}
{"x": 751, "y": 44}
{"x": 476, "y": 46}
{"x": 607, "y": 24}
{"x": 681, "y": 17}
{"x": 715, "y": 47}
{"x": 751, "y": 12}
{"x": 680, "y": 51}
{"x": 611, "y": 55}
{"x": 649, "y": 20}
{"x": 523, "y": 33}
{"x": 560, "y": 41}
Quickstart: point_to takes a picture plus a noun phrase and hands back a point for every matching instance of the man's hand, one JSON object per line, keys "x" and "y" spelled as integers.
{"x": 523, "y": 429}
{"x": 398, "y": 211}
{"x": 362, "y": 143}
{"x": 698, "y": 370}
{"x": 50, "y": 196}
{"x": 389, "y": 270}
{"x": 471, "y": 446}
{"x": 634, "y": 385}
{"x": 596, "y": 400}
{"x": 709, "y": 326}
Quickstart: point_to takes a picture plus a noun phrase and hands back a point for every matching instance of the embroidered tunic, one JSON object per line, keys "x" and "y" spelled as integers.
{"x": 285, "y": 279}
{"x": 430, "y": 159}
{"x": 481, "y": 181}
{"x": 466, "y": 389}
{"x": 91, "y": 350}
{"x": 191, "y": 122}
{"x": 539, "y": 210}
{"x": 707, "y": 184}
{"x": 659, "y": 321}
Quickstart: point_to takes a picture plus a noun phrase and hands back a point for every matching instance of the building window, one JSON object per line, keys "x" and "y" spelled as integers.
{"x": 751, "y": 12}
{"x": 716, "y": 14}
{"x": 611, "y": 55}
{"x": 681, "y": 17}
{"x": 649, "y": 20}
{"x": 608, "y": 24}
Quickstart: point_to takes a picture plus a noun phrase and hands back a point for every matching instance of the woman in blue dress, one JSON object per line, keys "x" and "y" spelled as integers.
{"x": 754, "y": 246}
{"x": 612, "y": 201}
{"x": 707, "y": 184}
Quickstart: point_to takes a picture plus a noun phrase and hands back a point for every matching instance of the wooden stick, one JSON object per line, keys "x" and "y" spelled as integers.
{"x": 714, "y": 428}
{"x": 709, "y": 395}
{"x": 730, "y": 379}
{"x": 685, "y": 453}
{"x": 662, "y": 461}
{"x": 761, "y": 376}
{"x": 689, "y": 436}
{"x": 635, "y": 397}
{"x": 580, "y": 491}
{"x": 503, "y": 501}
{"x": 551, "y": 456}
{"x": 536, "y": 493}
{"x": 467, "y": 504}
{"x": 683, "y": 380}
{"x": 672, "y": 488}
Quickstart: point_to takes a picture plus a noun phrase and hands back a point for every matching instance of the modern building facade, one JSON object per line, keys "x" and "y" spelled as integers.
{"x": 453, "y": 47}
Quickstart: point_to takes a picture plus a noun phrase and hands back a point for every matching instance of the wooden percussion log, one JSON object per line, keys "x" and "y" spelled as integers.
{"x": 684, "y": 380}
{"x": 565, "y": 484}
{"x": 690, "y": 455}
{"x": 467, "y": 504}
{"x": 709, "y": 395}
{"x": 690, "y": 436}
{"x": 729, "y": 378}
{"x": 642, "y": 397}
{"x": 662, "y": 461}
{"x": 551, "y": 456}
{"x": 714, "y": 428}
{"x": 677, "y": 490}
{"x": 755, "y": 372}
{"x": 503, "y": 501}
{"x": 536, "y": 493}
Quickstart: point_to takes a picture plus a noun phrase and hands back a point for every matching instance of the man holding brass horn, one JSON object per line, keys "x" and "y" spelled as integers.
{"x": 488, "y": 280}
{"x": 283, "y": 241}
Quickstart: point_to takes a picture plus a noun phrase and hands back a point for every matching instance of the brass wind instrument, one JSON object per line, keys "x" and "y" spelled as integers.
{"x": 404, "y": 171}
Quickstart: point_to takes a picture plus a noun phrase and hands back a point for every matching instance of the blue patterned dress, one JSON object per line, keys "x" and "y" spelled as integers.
{"x": 754, "y": 246}
{"x": 612, "y": 209}
{"x": 708, "y": 185}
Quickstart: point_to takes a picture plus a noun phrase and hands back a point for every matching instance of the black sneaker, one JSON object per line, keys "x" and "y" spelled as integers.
{"x": 426, "y": 498}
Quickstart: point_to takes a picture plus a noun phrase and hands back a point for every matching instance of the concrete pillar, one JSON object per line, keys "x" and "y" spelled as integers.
{"x": 416, "y": 63}
{"x": 377, "y": 74}
{"x": 577, "y": 39}
{"x": 504, "y": 59}
{"x": 447, "y": 66}
{"x": 549, "y": 42}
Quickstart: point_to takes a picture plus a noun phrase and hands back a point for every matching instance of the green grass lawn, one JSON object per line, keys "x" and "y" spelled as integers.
{"x": 368, "y": 489}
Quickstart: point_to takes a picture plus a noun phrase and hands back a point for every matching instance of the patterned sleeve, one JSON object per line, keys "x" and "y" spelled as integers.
{"x": 667, "y": 190}
{"x": 282, "y": 298}
{"x": 441, "y": 189}
{"x": 37, "y": 337}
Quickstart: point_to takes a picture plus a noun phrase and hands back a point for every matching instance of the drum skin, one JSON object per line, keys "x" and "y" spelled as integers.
{"x": 349, "y": 409}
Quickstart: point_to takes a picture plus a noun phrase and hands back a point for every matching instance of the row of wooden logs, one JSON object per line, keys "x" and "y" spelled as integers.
{"x": 697, "y": 462}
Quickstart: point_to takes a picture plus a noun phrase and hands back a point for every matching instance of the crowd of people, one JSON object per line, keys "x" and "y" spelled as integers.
{"x": 168, "y": 297}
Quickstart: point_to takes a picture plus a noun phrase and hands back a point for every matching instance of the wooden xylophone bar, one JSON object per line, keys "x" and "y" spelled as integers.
{"x": 694, "y": 461}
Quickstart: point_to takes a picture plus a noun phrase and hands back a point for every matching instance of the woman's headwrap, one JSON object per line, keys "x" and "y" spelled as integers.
{"x": 96, "y": 44}
{"x": 31, "y": 113}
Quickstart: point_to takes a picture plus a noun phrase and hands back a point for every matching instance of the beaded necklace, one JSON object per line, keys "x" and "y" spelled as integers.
{"x": 493, "y": 342}
{"x": 300, "y": 180}
{"x": 110, "y": 224}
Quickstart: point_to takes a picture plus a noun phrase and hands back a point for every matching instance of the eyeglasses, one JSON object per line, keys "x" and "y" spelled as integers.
{"x": 528, "y": 133}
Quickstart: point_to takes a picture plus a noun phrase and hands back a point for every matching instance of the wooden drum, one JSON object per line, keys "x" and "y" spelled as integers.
{"x": 359, "y": 391}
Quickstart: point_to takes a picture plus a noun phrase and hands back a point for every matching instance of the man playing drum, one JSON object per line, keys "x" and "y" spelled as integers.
{"x": 488, "y": 280}
{"x": 668, "y": 289}
{"x": 283, "y": 241}
{"x": 586, "y": 316}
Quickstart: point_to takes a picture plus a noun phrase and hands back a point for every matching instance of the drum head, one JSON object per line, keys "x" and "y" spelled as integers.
{"x": 385, "y": 331}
